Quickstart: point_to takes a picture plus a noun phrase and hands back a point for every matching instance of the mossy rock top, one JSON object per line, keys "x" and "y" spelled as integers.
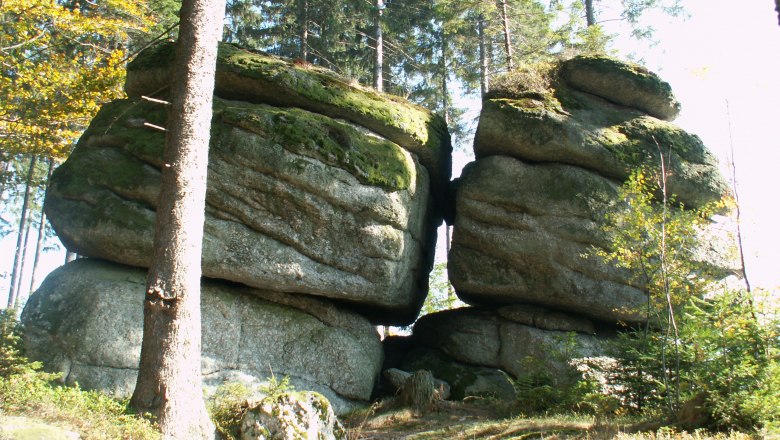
{"x": 260, "y": 78}
{"x": 541, "y": 117}
{"x": 622, "y": 83}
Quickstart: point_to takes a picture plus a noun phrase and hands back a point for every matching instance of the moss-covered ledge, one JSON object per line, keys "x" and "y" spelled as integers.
{"x": 623, "y": 83}
{"x": 261, "y": 78}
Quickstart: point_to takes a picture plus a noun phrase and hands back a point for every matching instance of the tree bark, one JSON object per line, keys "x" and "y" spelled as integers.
{"x": 41, "y": 233}
{"x": 445, "y": 95}
{"x": 484, "y": 83}
{"x": 304, "y": 14}
{"x": 590, "y": 14}
{"x": 15, "y": 272}
{"x": 169, "y": 381}
{"x": 777, "y": 8}
{"x": 510, "y": 64}
{"x": 379, "y": 52}
{"x": 23, "y": 263}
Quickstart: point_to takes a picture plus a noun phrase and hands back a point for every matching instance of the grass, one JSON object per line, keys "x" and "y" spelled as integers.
{"x": 36, "y": 401}
{"x": 485, "y": 419}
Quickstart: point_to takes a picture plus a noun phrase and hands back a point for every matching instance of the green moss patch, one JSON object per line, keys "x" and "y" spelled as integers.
{"x": 372, "y": 160}
{"x": 639, "y": 76}
{"x": 277, "y": 81}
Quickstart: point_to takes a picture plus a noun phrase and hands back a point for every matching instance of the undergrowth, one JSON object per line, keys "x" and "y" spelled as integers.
{"x": 27, "y": 391}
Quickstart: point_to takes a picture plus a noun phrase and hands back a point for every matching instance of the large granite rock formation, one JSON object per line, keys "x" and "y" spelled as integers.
{"x": 86, "y": 321}
{"x": 297, "y": 201}
{"x": 552, "y": 150}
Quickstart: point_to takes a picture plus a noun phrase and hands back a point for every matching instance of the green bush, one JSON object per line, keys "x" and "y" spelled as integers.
{"x": 27, "y": 391}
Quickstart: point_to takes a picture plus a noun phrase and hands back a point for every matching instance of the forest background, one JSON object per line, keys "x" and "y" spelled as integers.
{"x": 722, "y": 61}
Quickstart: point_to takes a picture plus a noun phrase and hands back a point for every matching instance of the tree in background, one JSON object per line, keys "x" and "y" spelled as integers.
{"x": 777, "y": 8}
{"x": 61, "y": 61}
{"x": 631, "y": 11}
{"x": 169, "y": 381}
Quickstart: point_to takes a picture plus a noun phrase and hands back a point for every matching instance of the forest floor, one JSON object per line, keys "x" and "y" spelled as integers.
{"x": 482, "y": 420}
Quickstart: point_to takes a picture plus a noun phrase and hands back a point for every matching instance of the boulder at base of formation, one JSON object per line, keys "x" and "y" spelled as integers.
{"x": 86, "y": 321}
{"x": 492, "y": 338}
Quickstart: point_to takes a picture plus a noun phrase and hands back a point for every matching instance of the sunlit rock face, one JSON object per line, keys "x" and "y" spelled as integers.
{"x": 553, "y": 148}
{"x": 86, "y": 321}
{"x": 333, "y": 200}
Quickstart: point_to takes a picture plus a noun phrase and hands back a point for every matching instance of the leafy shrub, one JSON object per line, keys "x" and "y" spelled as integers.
{"x": 25, "y": 390}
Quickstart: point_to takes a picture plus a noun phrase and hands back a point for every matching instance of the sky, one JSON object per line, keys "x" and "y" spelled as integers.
{"x": 724, "y": 66}
{"x": 725, "y": 51}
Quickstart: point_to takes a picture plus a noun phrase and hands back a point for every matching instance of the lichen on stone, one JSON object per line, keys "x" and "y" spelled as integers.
{"x": 371, "y": 159}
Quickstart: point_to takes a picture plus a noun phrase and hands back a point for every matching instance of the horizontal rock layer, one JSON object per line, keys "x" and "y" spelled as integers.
{"x": 627, "y": 84}
{"x": 570, "y": 127}
{"x": 521, "y": 234}
{"x": 296, "y": 202}
{"x": 86, "y": 321}
{"x": 260, "y": 78}
{"x": 481, "y": 337}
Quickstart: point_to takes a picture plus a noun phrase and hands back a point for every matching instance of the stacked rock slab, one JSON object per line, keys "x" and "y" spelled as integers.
{"x": 552, "y": 152}
{"x": 86, "y": 321}
{"x": 297, "y": 200}
{"x": 548, "y": 162}
{"x": 322, "y": 207}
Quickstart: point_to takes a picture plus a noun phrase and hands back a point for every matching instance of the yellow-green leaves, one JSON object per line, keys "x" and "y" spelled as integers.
{"x": 60, "y": 61}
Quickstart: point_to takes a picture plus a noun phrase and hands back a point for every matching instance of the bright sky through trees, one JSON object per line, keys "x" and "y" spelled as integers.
{"x": 723, "y": 51}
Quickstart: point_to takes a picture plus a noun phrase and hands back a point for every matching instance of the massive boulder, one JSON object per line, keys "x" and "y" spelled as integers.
{"x": 520, "y": 235}
{"x": 259, "y": 78}
{"x": 483, "y": 337}
{"x": 296, "y": 202}
{"x": 627, "y": 84}
{"x": 553, "y": 147}
{"x": 86, "y": 321}
{"x": 557, "y": 122}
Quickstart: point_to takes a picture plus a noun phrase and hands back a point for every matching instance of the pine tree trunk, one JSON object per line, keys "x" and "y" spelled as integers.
{"x": 169, "y": 381}
{"x": 419, "y": 392}
{"x": 3, "y": 171}
{"x": 445, "y": 95}
{"x": 304, "y": 14}
{"x": 23, "y": 263}
{"x": 15, "y": 272}
{"x": 510, "y": 64}
{"x": 483, "y": 57}
{"x": 777, "y": 8}
{"x": 590, "y": 14}
{"x": 41, "y": 233}
{"x": 379, "y": 60}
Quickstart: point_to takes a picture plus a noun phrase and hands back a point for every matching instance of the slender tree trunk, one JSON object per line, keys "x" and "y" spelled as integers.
{"x": 41, "y": 233}
{"x": 3, "y": 172}
{"x": 169, "y": 381}
{"x": 483, "y": 57}
{"x": 379, "y": 60}
{"x": 510, "y": 64}
{"x": 590, "y": 14}
{"x": 777, "y": 8}
{"x": 304, "y": 14}
{"x": 23, "y": 263}
{"x": 447, "y": 244}
{"x": 16, "y": 271}
{"x": 445, "y": 95}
